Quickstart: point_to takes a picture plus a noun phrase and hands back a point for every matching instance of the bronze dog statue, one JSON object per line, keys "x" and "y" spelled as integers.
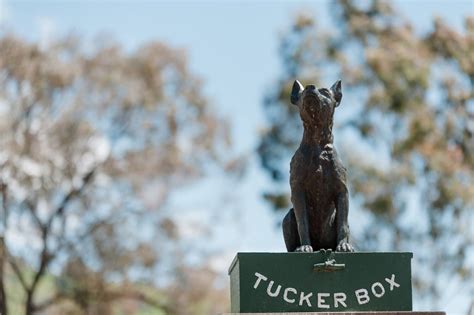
{"x": 319, "y": 193}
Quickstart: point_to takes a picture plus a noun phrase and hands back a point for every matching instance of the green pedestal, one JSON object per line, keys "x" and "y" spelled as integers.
{"x": 320, "y": 282}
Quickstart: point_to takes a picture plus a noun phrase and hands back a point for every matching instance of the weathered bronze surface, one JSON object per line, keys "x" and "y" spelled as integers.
{"x": 318, "y": 219}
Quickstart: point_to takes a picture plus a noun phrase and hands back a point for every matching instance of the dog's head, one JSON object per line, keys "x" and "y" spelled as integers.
{"x": 316, "y": 105}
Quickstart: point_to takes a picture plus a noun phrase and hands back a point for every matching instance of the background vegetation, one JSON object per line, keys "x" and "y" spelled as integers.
{"x": 407, "y": 140}
{"x": 96, "y": 139}
{"x": 92, "y": 144}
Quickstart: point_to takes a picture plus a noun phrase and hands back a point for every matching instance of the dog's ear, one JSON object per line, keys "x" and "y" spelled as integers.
{"x": 296, "y": 92}
{"x": 337, "y": 92}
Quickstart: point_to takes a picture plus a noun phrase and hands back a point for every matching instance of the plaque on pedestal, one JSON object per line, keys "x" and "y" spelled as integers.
{"x": 323, "y": 281}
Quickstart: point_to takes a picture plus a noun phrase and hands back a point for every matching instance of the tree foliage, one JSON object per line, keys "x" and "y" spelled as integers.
{"x": 409, "y": 144}
{"x": 93, "y": 140}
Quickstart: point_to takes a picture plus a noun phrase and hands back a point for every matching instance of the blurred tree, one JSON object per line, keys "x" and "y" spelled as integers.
{"x": 410, "y": 157}
{"x": 198, "y": 291}
{"x": 93, "y": 141}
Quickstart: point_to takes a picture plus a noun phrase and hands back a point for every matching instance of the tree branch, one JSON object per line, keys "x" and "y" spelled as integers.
{"x": 6, "y": 254}
{"x": 3, "y": 189}
{"x": 17, "y": 272}
{"x": 46, "y": 256}
{"x": 71, "y": 243}
{"x": 32, "y": 210}
{"x": 72, "y": 193}
{"x": 44, "y": 262}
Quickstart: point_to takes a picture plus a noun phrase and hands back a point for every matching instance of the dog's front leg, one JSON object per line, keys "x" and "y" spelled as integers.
{"x": 342, "y": 225}
{"x": 298, "y": 199}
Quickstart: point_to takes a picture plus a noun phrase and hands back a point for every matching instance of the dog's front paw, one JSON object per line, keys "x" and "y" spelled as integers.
{"x": 344, "y": 246}
{"x": 305, "y": 249}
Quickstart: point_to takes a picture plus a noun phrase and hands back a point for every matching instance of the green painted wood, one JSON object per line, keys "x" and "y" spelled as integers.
{"x": 235, "y": 288}
{"x": 321, "y": 281}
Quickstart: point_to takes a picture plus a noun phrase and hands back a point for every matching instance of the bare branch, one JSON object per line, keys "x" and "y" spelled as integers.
{"x": 73, "y": 193}
{"x": 17, "y": 272}
{"x": 45, "y": 259}
{"x": 4, "y": 193}
{"x": 10, "y": 259}
{"x": 30, "y": 206}
{"x": 71, "y": 243}
{"x": 3, "y": 249}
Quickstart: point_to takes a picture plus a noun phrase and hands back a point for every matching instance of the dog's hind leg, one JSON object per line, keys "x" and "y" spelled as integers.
{"x": 290, "y": 231}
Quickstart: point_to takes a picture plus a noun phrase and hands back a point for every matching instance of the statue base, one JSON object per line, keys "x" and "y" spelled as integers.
{"x": 323, "y": 281}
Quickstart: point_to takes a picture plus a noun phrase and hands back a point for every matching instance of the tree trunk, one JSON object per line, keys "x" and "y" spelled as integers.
{"x": 30, "y": 292}
{"x": 29, "y": 308}
{"x": 3, "y": 298}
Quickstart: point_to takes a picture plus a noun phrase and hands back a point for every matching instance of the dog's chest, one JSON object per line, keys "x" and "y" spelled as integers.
{"x": 314, "y": 169}
{"x": 320, "y": 172}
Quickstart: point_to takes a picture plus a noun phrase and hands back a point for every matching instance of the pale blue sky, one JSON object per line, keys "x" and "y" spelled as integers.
{"x": 233, "y": 46}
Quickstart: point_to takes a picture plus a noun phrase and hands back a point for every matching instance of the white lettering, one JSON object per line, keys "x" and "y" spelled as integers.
{"x": 321, "y": 300}
{"x": 259, "y": 278}
{"x": 392, "y": 282}
{"x": 382, "y": 289}
{"x": 285, "y": 295}
{"x": 362, "y": 296}
{"x": 290, "y": 295}
{"x": 305, "y": 298}
{"x": 269, "y": 289}
{"x": 340, "y": 297}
